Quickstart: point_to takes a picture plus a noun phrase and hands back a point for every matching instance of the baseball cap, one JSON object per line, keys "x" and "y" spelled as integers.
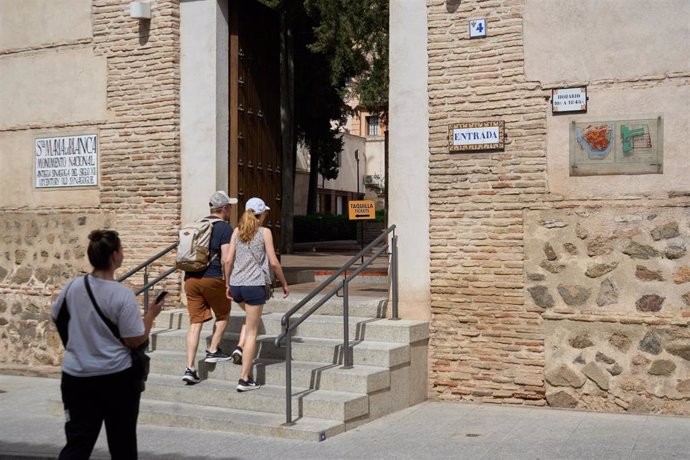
{"x": 257, "y": 205}
{"x": 220, "y": 199}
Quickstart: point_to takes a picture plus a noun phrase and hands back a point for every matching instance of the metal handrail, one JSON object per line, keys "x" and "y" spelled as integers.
{"x": 289, "y": 326}
{"x": 145, "y": 266}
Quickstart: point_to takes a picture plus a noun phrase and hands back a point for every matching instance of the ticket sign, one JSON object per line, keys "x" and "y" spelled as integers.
{"x": 361, "y": 210}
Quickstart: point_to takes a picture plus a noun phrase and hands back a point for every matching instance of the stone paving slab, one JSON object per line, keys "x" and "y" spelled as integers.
{"x": 431, "y": 430}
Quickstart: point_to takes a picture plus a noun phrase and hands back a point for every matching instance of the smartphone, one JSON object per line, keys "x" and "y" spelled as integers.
{"x": 161, "y": 295}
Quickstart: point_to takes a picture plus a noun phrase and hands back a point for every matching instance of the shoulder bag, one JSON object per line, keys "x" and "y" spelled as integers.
{"x": 140, "y": 360}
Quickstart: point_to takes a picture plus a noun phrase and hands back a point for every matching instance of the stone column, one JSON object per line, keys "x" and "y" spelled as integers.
{"x": 204, "y": 102}
{"x": 409, "y": 153}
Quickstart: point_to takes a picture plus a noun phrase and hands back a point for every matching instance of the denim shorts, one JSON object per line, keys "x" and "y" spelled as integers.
{"x": 251, "y": 295}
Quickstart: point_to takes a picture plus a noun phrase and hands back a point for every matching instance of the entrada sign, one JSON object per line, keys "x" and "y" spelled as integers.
{"x": 476, "y": 136}
{"x": 361, "y": 210}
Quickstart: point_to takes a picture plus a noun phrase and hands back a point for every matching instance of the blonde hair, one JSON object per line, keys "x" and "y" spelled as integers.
{"x": 249, "y": 225}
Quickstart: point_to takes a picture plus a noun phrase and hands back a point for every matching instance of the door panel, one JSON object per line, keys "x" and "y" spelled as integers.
{"x": 255, "y": 143}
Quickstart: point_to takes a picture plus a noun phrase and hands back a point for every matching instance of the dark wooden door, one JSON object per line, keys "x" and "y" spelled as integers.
{"x": 255, "y": 142}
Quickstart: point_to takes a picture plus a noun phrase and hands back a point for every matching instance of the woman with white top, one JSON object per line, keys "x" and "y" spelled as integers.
{"x": 250, "y": 255}
{"x": 99, "y": 383}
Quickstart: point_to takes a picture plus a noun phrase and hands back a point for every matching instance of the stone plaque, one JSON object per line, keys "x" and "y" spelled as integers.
{"x": 616, "y": 146}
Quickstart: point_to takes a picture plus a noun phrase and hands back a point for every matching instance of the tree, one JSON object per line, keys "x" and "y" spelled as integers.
{"x": 354, "y": 36}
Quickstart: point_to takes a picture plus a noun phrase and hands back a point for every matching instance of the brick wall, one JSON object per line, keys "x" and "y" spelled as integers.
{"x": 488, "y": 336}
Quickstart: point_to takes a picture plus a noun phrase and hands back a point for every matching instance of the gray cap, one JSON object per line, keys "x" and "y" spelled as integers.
{"x": 220, "y": 199}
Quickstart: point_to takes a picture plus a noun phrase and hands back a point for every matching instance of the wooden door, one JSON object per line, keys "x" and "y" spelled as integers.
{"x": 255, "y": 142}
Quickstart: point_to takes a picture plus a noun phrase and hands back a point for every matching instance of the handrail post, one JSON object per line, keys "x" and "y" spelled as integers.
{"x": 146, "y": 292}
{"x": 347, "y": 361}
{"x": 288, "y": 376}
{"x": 394, "y": 276}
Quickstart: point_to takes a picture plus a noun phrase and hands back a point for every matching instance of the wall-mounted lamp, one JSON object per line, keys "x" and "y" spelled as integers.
{"x": 140, "y": 10}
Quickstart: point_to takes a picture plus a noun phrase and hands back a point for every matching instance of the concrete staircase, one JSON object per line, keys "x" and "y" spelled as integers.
{"x": 389, "y": 373}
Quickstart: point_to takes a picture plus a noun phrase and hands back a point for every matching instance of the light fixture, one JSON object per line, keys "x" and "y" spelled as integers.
{"x": 140, "y": 10}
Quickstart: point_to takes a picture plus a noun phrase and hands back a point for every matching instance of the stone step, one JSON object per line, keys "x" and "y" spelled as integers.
{"x": 323, "y": 350}
{"x": 332, "y": 405}
{"x": 317, "y": 326}
{"x": 358, "y": 379}
{"x": 197, "y": 417}
{"x": 194, "y": 416}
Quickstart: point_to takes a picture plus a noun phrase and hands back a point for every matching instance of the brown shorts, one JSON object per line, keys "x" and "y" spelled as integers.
{"x": 204, "y": 295}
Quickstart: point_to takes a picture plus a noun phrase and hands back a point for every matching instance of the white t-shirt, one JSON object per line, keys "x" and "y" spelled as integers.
{"x": 92, "y": 349}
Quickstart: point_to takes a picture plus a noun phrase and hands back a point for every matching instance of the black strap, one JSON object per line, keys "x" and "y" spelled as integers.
{"x": 107, "y": 322}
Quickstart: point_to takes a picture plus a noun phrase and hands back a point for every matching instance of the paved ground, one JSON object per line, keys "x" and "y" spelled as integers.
{"x": 433, "y": 430}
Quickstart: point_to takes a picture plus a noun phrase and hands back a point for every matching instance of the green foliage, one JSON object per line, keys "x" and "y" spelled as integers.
{"x": 324, "y": 227}
{"x": 354, "y": 35}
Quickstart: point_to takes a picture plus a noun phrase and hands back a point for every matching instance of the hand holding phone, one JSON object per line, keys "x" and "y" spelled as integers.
{"x": 161, "y": 295}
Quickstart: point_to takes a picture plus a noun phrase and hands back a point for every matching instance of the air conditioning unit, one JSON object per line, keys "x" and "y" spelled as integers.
{"x": 369, "y": 180}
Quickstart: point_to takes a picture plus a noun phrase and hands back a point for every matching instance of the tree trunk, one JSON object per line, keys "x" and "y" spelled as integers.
{"x": 313, "y": 182}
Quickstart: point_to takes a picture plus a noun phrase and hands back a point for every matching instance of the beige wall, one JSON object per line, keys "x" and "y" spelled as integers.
{"x": 29, "y": 24}
{"x": 593, "y": 40}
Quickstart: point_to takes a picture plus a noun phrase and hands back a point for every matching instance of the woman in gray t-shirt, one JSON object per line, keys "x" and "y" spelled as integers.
{"x": 98, "y": 381}
{"x": 249, "y": 258}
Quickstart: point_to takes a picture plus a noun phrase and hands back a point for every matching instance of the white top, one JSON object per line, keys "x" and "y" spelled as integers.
{"x": 92, "y": 349}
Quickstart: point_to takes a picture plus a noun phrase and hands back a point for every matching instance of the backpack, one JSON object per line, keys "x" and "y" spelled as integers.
{"x": 194, "y": 246}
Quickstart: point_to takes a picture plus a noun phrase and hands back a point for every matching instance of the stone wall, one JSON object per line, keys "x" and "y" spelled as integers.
{"x": 613, "y": 285}
{"x": 39, "y": 252}
{"x": 549, "y": 289}
{"x": 139, "y": 185}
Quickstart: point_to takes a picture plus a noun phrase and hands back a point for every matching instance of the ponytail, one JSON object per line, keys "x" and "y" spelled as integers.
{"x": 248, "y": 226}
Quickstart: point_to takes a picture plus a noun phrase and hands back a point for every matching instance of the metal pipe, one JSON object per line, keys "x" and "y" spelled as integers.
{"x": 288, "y": 381}
{"x": 146, "y": 292}
{"x": 394, "y": 276}
{"x": 347, "y": 362}
{"x": 147, "y": 262}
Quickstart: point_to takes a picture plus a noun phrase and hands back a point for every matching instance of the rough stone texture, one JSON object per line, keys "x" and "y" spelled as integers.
{"x": 638, "y": 364}
{"x": 581, "y": 232}
{"x": 669, "y": 230}
{"x": 662, "y": 367}
{"x": 639, "y": 251}
{"x": 549, "y": 252}
{"x": 571, "y": 249}
{"x": 686, "y": 298}
{"x": 541, "y": 296}
{"x": 650, "y": 302}
{"x": 574, "y": 295}
{"x": 536, "y": 277}
{"x": 675, "y": 252}
{"x": 601, "y": 357}
{"x": 645, "y": 274}
{"x": 620, "y": 341}
{"x": 608, "y": 293}
{"x": 615, "y": 370}
{"x": 552, "y": 267}
{"x": 597, "y": 375}
{"x": 561, "y": 399}
{"x": 679, "y": 349}
{"x": 565, "y": 376}
{"x": 682, "y": 275}
{"x": 581, "y": 341}
{"x": 683, "y": 386}
{"x": 599, "y": 246}
{"x": 640, "y": 405}
{"x": 597, "y": 270}
{"x": 651, "y": 343}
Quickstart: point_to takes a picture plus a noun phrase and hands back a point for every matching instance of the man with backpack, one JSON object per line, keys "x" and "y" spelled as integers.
{"x": 202, "y": 249}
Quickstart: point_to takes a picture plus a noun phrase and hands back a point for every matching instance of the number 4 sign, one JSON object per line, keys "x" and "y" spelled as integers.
{"x": 477, "y": 28}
